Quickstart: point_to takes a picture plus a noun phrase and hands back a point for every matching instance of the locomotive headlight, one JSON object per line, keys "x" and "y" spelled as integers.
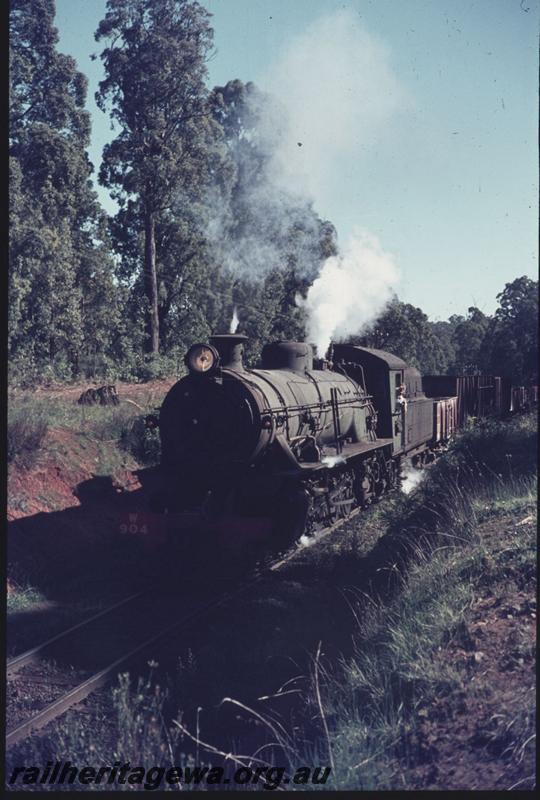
{"x": 202, "y": 358}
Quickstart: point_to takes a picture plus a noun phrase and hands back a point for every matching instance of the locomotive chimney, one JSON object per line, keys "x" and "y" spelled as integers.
{"x": 230, "y": 347}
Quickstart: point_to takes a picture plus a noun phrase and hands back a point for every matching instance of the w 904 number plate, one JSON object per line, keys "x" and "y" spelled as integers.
{"x": 142, "y": 523}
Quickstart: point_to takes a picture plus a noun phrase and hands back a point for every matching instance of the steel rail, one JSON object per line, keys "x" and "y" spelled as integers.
{"x": 80, "y": 692}
{"x": 29, "y": 656}
{"x": 99, "y": 679}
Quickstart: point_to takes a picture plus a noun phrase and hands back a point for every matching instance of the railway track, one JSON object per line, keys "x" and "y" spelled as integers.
{"x": 131, "y": 624}
{"x": 30, "y": 656}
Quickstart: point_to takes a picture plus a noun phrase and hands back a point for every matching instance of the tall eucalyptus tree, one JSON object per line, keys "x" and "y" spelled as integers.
{"x": 59, "y": 265}
{"x": 155, "y": 69}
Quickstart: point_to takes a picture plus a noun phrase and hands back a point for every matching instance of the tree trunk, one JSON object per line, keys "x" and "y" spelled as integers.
{"x": 150, "y": 276}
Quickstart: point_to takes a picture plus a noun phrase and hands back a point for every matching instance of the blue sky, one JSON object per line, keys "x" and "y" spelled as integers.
{"x": 447, "y": 182}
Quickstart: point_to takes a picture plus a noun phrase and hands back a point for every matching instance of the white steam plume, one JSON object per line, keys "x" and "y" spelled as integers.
{"x": 350, "y": 292}
{"x": 334, "y": 92}
{"x": 332, "y": 461}
{"x": 411, "y": 478}
{"x": 337, "y": 86}
{"x": 234, "y": 321}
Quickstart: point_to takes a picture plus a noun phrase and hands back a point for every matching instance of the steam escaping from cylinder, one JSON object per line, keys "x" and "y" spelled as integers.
{"x": 332, "y": 461}
{"x": 350, "y": 292}
{"x": 410, "y": 478}
{"x": 234, "y": 321}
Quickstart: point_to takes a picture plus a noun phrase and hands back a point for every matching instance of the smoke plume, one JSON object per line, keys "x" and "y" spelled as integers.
{"x": 338, "y": 90}
{"x": 350, "y": 292}
{"x": 327, "y": 97}
{"x": 234, "y": 321}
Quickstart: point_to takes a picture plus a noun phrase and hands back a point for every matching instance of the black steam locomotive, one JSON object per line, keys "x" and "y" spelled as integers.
{"x": 298, "y": 442}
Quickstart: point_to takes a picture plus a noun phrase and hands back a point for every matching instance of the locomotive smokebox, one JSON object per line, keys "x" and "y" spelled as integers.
{"x": 230, "y": 347}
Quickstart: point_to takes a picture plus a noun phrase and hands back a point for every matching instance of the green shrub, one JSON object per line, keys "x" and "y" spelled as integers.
{"x": 143, "y": 443}
{"x": 22, "y": 598}
{"x": 26, "y": 373}
{"x": 480, "y": 462}
{"x": 505, "y": 447}
{"x": 26, "y": 430}
{"x": 150, "y": 367}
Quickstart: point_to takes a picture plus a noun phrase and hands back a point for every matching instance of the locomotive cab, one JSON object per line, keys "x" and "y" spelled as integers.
{"x": 404, "y": 412}
{"x": 385, "y": 378}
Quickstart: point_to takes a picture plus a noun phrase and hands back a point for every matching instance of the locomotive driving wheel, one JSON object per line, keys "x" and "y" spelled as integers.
{"x": 317, "y": 513}
{"x": 364, "y": 482}
{"x": 341, "y": 495}
{"x": 371, "y": 479}
{"x": 381, "y": 482}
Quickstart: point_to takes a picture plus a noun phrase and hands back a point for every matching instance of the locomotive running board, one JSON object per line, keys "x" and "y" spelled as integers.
{"x": 349, "y": 451}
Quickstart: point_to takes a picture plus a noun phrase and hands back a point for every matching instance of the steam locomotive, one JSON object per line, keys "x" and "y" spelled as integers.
{"x": 301, "y": 442}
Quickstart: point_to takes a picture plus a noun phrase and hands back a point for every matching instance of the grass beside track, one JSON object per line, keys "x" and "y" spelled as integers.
{"x": 467, "y": 534}
{"x": 30, "y": 417}
{"x": 414, "y": 661}
{"x": 428, "y": 683}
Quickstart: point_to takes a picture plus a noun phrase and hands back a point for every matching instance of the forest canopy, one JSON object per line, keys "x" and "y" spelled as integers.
{"x": 123, "y": 296}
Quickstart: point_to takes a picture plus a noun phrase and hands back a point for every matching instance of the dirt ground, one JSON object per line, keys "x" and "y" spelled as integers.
{"x": 68, "y": 459}
{"x": 70, "y": 513}
{"x": 475, "y": 741}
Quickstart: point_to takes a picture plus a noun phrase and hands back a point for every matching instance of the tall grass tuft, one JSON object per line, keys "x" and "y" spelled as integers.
{"x": 135, "y": 732}
{"x": 374, "y": 701}
{"x": 26, "y": 430}
{"x": 31, "y": 417}
{"x": 143, "y": 443}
